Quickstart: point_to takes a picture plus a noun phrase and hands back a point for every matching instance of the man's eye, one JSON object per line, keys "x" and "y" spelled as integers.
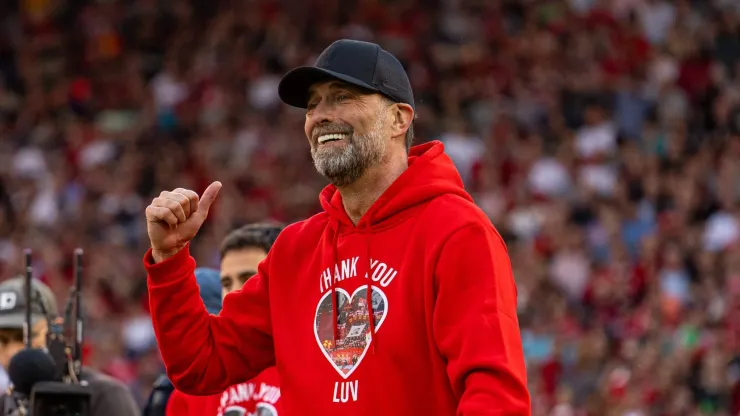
{"x": 342, "y": 97}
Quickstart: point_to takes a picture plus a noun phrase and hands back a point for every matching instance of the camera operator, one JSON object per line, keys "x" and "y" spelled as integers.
{"x": 109, "y": 396}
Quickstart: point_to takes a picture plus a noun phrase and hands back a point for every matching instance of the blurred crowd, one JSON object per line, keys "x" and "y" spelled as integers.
{"x": 602, "y": 137}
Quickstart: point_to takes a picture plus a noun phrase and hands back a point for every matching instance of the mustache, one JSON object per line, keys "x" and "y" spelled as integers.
{"x": 322, "y": 129}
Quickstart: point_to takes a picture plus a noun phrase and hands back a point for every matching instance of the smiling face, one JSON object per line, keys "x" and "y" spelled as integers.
{"x": 347, "y": 129}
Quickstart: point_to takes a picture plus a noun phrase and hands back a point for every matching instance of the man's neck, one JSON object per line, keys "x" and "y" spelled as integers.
{"x": 360, "y": 195}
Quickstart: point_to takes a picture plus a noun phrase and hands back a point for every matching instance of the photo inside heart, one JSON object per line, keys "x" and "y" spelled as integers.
{"x": 353, "y": 326}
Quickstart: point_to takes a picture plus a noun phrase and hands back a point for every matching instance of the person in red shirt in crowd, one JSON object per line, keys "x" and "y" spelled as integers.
{"x": 241, "y": 252}
{"x": 400, "y": 243}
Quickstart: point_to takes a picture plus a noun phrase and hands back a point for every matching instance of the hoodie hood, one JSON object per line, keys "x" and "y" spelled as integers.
{"x": 431, "y": 173}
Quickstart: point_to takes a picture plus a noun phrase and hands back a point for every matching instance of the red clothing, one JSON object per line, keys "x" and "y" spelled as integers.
{"x": 181, "y": 404}
{"x": 260, "y": 393}
{"x": 259, "y": 396}
{"x": 443, "y": 338}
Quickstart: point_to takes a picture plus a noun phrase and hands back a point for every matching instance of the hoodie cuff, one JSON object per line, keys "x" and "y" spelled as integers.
{"x": 179, "y": 265}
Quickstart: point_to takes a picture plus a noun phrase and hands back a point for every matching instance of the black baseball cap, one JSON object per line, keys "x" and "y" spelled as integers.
{"x": 362, "y": 64}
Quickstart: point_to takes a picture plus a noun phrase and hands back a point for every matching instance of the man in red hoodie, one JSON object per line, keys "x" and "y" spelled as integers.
{"x": 397, "y": 299}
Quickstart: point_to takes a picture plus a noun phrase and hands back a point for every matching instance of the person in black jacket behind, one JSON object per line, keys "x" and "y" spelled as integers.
{"x": 109, "y": 397}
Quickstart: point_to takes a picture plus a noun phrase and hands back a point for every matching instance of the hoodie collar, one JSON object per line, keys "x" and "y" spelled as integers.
{"x": 431, "y": 173}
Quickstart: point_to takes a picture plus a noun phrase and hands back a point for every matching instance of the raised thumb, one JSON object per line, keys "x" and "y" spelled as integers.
{"x": 209, "y": 195}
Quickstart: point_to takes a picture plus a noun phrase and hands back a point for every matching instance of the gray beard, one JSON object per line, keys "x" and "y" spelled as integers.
{"x": 343, "y": 166}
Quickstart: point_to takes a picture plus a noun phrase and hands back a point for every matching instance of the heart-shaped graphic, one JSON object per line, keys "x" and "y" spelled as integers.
{"x": 353, "y": 326}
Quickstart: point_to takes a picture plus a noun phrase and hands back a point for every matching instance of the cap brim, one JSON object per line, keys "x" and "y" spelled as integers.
{"x": 294, "y": 87}
{"x": 16, "y": 320}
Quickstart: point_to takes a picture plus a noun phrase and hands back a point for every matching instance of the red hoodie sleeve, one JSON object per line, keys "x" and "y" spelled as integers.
{"x": 475, "y": 324}
{"x": 206, "y": 353}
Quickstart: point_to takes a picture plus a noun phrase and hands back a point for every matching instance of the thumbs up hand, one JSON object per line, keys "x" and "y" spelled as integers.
{"x": 174, "y": 218}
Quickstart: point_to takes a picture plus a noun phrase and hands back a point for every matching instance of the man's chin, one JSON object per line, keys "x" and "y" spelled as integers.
{"x": 337, "y": 165}
{"x": 340, "y": 182}
{"x": 338, "y": 177}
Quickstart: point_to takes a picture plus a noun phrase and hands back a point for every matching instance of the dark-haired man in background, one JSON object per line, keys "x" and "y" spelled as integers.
{"x": 241, "y": 251}
{"x": 109, "y": 396}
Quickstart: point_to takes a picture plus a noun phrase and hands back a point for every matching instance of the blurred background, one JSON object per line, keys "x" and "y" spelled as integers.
{"x": 602, "y": 137}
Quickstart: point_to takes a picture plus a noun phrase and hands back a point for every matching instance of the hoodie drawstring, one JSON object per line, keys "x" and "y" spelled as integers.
{"x": 334, "y": 303}
{"x": 369, "y": 288}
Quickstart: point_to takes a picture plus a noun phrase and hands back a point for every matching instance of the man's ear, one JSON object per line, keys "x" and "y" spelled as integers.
{"x": 403, "y": 116}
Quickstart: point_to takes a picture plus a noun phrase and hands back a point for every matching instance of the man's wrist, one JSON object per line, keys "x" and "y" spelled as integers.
{"x": 159, "y": 256}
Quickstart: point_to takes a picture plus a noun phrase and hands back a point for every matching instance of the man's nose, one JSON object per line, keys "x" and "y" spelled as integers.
{"x": 323, "y": 113}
